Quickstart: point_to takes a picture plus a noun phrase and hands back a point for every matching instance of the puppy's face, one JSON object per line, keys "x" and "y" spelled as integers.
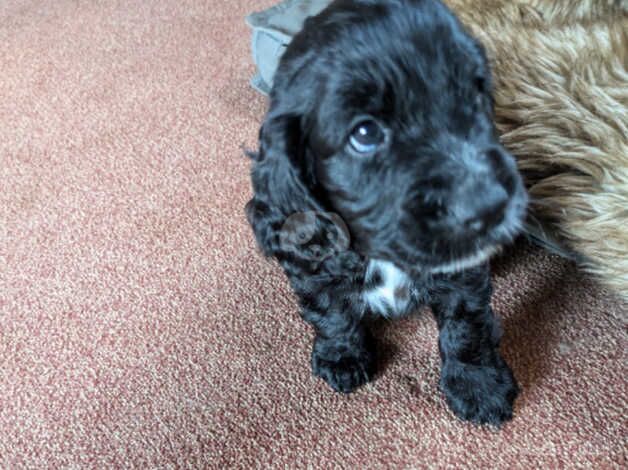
{"x": 399, "y": 138}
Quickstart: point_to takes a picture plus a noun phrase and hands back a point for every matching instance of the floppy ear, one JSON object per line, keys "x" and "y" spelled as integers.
{"x": 289, "y": 221}
{"x": 280, "y": 183}
{"x": 288, "y": 212}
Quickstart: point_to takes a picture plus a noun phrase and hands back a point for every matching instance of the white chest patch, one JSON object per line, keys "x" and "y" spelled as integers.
{"x": 387, "y": 291}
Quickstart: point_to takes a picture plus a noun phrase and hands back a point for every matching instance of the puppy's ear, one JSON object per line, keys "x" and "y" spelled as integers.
{"x": 281, "y": 180}
{"x": 288, "y": 210}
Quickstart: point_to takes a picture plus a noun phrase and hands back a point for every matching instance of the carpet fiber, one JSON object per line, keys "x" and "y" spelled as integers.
{"x": 139, "y": 326}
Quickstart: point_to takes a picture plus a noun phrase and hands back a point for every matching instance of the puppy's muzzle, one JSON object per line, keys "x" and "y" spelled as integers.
{"x": 477, "y": 196}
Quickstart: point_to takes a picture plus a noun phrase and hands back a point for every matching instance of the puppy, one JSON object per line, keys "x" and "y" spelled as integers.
{"x": 380, "y": 186}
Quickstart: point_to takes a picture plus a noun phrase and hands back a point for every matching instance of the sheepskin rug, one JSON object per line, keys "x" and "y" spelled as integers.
{"x": 561, "y": 102}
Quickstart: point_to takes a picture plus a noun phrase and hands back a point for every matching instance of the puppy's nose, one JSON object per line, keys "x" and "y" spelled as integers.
{"x": 482, "y": 209}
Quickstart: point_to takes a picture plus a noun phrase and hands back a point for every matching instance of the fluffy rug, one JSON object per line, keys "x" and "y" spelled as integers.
{"x": 562, "y": 108}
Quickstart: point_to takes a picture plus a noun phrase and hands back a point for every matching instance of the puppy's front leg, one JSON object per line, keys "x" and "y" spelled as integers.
{"x": 344, "y": 352}
{"x": 477, "y": 383}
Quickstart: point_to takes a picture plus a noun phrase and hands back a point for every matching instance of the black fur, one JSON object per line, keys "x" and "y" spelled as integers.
{"x": 434, "y": 196}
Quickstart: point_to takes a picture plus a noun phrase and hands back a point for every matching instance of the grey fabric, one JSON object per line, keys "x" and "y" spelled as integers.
{"x": 273, "y": 30}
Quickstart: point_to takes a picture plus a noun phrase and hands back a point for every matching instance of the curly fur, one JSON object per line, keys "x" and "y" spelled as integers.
{"x": 412, "y": 221}
{"x": 561, "y": 105}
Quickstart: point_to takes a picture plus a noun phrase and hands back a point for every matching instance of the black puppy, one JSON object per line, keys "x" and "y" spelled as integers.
{"x": 380, "y": 185}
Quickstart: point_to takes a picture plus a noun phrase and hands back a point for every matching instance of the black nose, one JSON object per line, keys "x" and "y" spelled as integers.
{"x": 482, "y": 208}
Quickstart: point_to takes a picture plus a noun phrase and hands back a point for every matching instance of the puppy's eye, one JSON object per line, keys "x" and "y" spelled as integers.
{"x": 366, "y": 136}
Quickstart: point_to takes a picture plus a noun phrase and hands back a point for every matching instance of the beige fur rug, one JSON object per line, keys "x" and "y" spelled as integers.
{"x": 561, "y": 102}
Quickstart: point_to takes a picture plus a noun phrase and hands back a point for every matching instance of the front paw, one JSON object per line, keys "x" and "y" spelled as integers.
{"x": 482, "y": 394}
{"x": 343, "y": 364}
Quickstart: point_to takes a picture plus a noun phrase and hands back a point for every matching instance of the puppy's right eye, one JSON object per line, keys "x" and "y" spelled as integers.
{"x": 366, "y": 136}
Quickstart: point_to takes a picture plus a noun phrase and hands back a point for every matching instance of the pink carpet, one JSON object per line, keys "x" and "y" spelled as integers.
{"x": 139, "y": 327}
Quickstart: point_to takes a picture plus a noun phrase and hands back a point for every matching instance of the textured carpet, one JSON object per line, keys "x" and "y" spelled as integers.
{"x": 139, "y": 327}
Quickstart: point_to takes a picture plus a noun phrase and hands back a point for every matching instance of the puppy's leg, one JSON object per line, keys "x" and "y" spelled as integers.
{"x": 477, "y": 383}
{"x": 344, "y": 352}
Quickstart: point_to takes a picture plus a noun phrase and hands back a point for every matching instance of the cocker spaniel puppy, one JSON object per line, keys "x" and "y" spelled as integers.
{"x": 380, "y": 185}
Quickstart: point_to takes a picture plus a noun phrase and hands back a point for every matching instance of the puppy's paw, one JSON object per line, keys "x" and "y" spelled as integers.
{"x": 343, "y": 365}
{"x": 482, "y": 394}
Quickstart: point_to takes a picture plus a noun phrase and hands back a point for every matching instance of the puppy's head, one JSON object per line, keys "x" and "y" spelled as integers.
{"x": 381, "y": 112}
